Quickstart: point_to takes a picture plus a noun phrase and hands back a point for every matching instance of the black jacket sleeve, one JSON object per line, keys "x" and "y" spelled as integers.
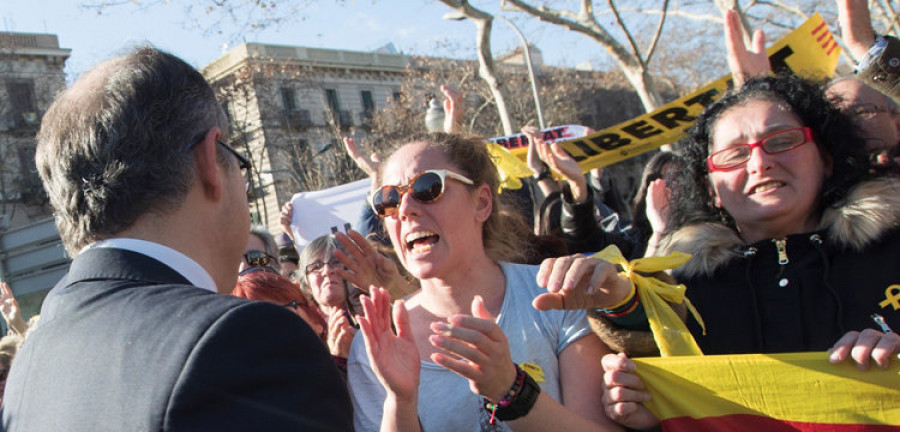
{"x": 259, "y": 367}
{"x": 582, "y": 233}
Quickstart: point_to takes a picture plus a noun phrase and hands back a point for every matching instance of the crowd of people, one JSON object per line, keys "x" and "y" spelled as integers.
{"x": 455, "y": 304}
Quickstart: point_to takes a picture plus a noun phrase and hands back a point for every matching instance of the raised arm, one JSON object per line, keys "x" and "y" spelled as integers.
{"x": 455, "y": 109}
{"x": 394, "y": 359}
{"x": 9, "y": 307}
{"x": 744, "y": 62}
{"x": 856, "y": 26}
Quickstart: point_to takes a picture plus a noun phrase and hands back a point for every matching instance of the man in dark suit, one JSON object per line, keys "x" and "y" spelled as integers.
{"x": 150, "y": 200}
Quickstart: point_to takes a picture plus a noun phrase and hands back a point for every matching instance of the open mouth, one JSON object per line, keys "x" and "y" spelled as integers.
{"x": 766, "y": 187}
{"x": 421, "y": 241}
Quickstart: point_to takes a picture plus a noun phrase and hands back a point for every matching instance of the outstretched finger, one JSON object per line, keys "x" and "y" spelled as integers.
{"x": 401, "y": 319}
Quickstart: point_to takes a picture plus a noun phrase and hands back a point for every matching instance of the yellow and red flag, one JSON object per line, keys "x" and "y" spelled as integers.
{"x": 770, "y": 392}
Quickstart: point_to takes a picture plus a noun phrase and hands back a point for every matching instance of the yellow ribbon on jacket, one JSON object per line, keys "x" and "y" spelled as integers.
{"x": 671, "y": 335}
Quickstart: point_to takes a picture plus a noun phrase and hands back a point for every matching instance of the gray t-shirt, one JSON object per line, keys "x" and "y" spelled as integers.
{"x": 445, "y": 402}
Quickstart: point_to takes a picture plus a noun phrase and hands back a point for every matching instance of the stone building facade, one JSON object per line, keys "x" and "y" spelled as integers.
{"x": 31, "y": 74}
{"x": 289, "y": 107}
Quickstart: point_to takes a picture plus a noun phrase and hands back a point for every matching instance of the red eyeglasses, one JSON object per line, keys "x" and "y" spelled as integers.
{"x": 779, "y": 142}
{"x": 426, "y": 187}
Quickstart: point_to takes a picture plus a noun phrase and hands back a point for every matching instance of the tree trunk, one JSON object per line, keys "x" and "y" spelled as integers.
{"x": 486, "y": 72}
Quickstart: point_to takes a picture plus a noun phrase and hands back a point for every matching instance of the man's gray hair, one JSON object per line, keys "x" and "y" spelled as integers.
{"x": 116, "y": 145}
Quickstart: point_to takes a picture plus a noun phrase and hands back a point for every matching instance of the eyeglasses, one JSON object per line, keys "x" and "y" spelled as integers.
{"x": 426, "y": 187}
{"x": 867, "y": 111}
{"x": 779, "y": 142}
{"x": 318, "y": 266}
{"x": 258, "y": 258}
{"x": 243, "y": 163}
{"x": 255, "y": 269}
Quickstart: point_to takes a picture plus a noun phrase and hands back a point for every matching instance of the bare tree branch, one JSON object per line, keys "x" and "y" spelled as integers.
{"x": 778, "y": 4}
{"x": 585, "y": 22}
{"x": 631, "y": 42}
{"x": 676, "y": 13}
{"x": 891, "y": 15}
{"x": 483, "y": 22}
{"x": 653, "y": 43}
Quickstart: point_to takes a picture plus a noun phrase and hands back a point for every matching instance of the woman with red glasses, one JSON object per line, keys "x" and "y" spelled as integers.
{"x": 467, "y": 351}
{"x": 794, "y": 248}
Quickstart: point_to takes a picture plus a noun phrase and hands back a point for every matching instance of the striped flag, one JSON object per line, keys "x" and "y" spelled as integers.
{"x": 770, "y": 392}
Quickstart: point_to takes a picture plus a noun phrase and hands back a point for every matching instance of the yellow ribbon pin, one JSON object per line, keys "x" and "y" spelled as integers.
{"x": 534, "y": 371}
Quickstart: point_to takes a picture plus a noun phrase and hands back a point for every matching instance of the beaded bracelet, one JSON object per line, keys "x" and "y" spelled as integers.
{"x": 518, "y": 401}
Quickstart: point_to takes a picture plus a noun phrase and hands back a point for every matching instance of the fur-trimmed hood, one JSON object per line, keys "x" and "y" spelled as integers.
{"x": 869, "y": 211}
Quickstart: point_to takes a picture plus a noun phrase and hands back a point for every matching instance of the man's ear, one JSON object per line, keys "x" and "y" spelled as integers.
{"x": 209, "y": 172}
{"x": 484, "y": 203}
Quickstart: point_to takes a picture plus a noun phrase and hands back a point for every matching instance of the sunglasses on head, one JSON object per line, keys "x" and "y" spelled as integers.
{"x": 258, "y": 258}
{"x": 426, "y": 187}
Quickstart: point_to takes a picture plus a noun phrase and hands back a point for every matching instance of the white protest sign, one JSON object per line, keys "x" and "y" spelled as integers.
{"x": 322, "y": 212}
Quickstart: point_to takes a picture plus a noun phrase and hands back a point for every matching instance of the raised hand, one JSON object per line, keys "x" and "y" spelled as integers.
{"x": 579, "y": 282}
{"x": 480, "y": 351}
{"x": 455, "y": 109}
{"x": 287, "y": 216}
{"x": 658, "y": 205}
{"x": 744, "y": 62}
{"x": 366, "y": 267}
{"x": 9, "y": 307}
{"x": 340, "y": 333}
{"x": 369, "y": 165}
{"x": 560, "y": 162}
{"x": 856, "y": 26}
{"x": 394, "y": 357}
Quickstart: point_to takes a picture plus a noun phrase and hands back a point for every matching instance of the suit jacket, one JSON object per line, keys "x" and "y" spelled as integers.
{"x": 126, "y": 344}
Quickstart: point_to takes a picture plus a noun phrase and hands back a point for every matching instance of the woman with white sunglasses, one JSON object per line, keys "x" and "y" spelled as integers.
{"x": 469, "y": 352}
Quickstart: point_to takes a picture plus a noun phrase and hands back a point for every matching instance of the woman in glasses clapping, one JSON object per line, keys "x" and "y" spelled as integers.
{"x": 467, "y": 351}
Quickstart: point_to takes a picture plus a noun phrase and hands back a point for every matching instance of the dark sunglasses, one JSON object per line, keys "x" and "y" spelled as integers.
{"x": 255, "y": 269}
{"x": 258, "y": 258}
{"x": 426, "y": 187}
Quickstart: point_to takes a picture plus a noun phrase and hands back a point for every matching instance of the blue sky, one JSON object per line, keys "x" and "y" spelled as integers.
{"x": 414, "y": 27}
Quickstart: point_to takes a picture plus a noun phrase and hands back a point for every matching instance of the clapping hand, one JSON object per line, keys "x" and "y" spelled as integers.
{"x": 478, "y": 351}
{"x": 394, "y": 357}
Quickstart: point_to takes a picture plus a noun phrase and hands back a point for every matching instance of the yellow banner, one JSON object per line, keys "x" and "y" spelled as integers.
{"x": 798, "y": 388}
{"x": 810, "y": 51}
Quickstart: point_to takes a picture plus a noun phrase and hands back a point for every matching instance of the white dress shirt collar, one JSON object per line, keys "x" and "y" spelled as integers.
{"x": 181, "y": 263}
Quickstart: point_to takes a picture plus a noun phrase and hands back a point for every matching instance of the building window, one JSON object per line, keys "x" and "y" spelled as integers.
{"x": 21, "y": 102}
{"x": 287, "y": 99}
{"x": 332, "y": 101}
{"x": 396, "y": 95}
{"x": 367, "y": 102}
